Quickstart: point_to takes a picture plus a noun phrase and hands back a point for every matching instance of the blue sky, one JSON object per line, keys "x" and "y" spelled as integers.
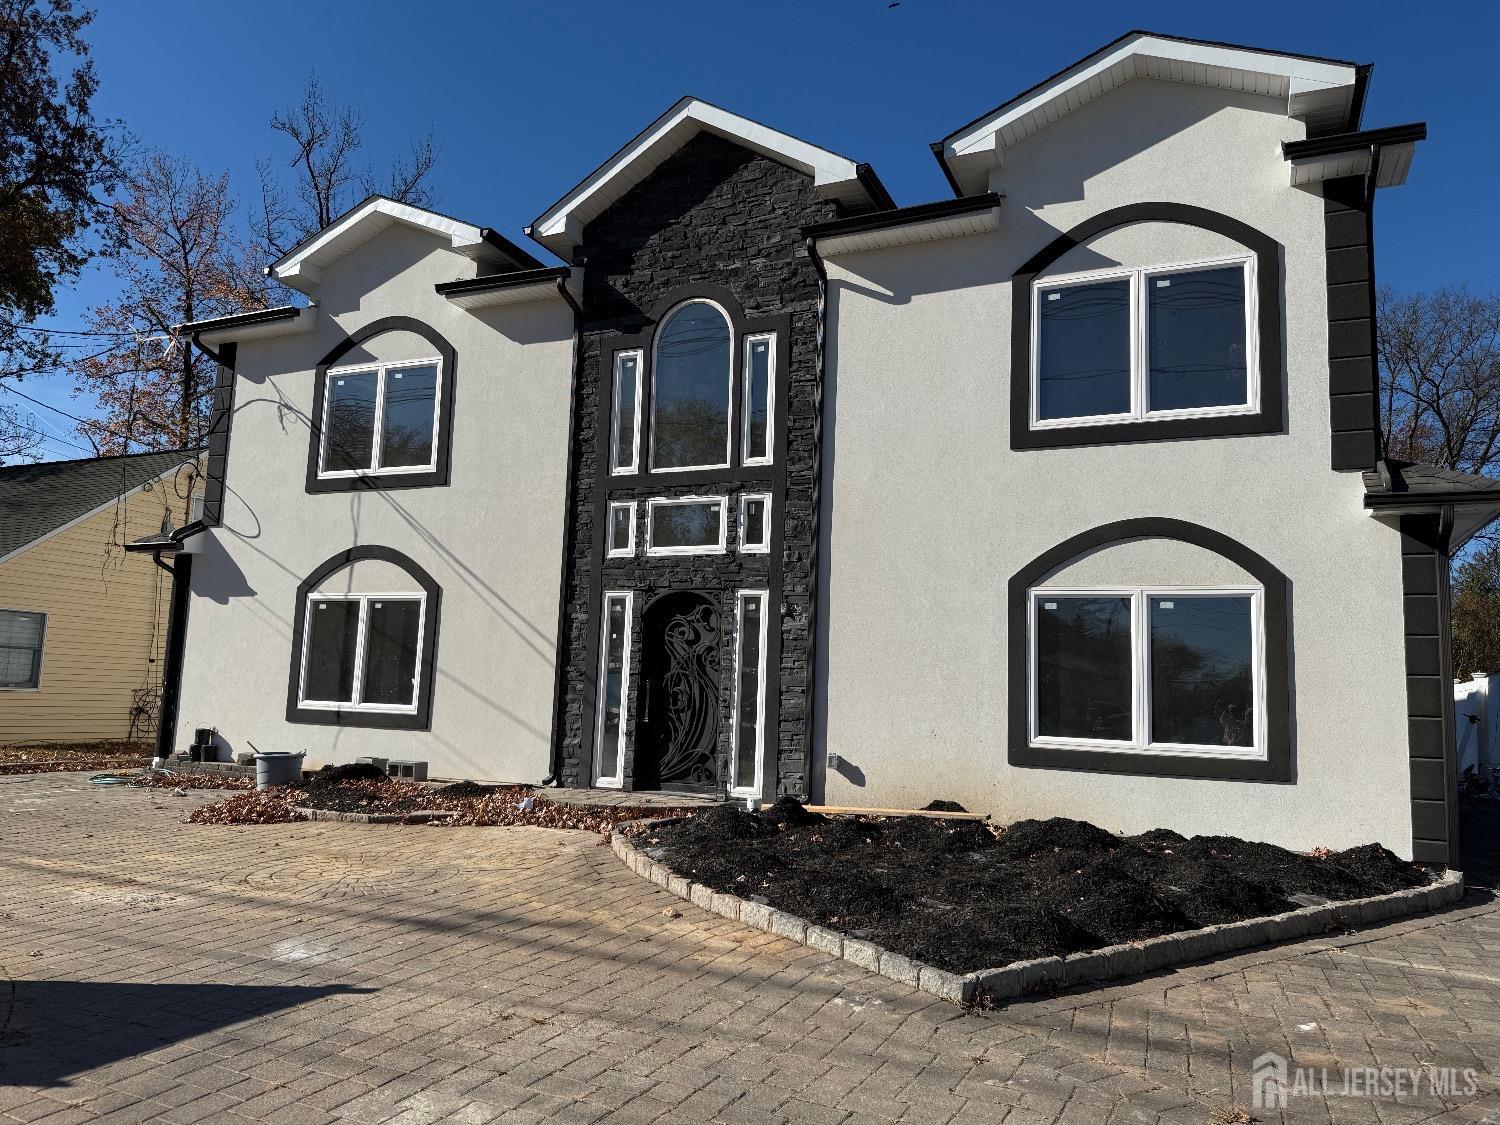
{"x": 525, "y": 99}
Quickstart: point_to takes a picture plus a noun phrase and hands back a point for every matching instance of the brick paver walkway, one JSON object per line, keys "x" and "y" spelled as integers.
{"x": 156, "y": 971}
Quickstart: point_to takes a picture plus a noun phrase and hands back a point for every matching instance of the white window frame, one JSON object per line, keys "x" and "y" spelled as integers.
{"x": 1140, "y": 671}
{"x": 359, "y": 654}
{"x": 677, "y": 501}
{"x": 381, "y": 371}
{"x": 745, "y": 342}
{"x": 617, "y": 780}
{"x": 610, "y": 550}
{"x": 41, "y": 648}
{"x": 1140, "y": 361}
{"x": 754, "y": 789}
{"x": 616, "y": 468}
{"x": 764, "y": 546}
{"x": 729, "y": 373}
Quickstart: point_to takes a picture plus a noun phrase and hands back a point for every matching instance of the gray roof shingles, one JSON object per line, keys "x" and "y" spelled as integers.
{"x": 36, "y": 499}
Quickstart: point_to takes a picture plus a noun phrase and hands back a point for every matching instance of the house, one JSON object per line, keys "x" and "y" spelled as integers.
{"x": 83, "y": 622}
{"x": 1062, "y": 496}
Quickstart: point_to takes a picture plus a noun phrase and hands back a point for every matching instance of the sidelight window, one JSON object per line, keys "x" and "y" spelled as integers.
{"x": 1172, "y": 670}
{"x": 749, "y": 692}
{"x": 614, "y": 683}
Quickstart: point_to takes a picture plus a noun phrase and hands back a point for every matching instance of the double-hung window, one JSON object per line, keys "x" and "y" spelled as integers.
{"x": 381, "y": 419}
{"x": 1161, "y": 669}
{"x": 362, "y": 652}
{"x": 1132, "y": 345}
{"x": 21, "y": 636}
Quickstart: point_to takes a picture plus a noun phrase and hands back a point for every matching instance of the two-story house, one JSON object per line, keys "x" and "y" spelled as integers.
{"x": 1062, "y": 496}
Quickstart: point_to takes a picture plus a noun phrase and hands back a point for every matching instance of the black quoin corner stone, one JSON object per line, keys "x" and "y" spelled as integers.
{"x": 718, "y": 221}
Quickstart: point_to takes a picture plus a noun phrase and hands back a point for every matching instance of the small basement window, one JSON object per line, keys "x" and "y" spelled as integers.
{"x": 1142, "y": 344}
{"x": 686, "y": 525}
{"x": 361, "y": 652}
{"x": 1176, "y": 671}
{"x": 21, "y": 636}
{"x": 381, "y": 419}
{"x": 755, "y": 523}
{"x": 621, "y": 530}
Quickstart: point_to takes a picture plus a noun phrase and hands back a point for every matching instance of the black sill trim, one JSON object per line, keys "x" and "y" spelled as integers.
{"x": 489, "y": 282}
{"x": 1026, "y": 93}
{"x": 1344, "y": 142}
{"x": 903, "y": 216}
{"x": 1277, "y": 766}
{"x": 370, "y": 482}
{"x": 1266, "y": 419}
{"x": 241, "y": 320}
{"x": 315, "y": 716}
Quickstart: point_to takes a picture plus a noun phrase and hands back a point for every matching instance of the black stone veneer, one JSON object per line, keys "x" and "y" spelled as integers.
{"x": 719, "y": 220}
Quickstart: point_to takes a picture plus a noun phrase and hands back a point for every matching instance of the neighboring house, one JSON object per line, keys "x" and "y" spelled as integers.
{"x": 83, "y": 622}
{"x": 1061, "y": 497}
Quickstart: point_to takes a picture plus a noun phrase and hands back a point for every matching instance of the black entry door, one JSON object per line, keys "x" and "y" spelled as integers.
{"x": 678, "y": 729}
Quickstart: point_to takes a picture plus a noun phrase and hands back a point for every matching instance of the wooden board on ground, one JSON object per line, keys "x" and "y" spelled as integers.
{"x": 846, "y": 810}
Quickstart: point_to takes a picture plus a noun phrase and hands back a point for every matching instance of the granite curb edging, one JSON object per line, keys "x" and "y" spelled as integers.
{"x": 1021, "y": 978}
{"x": 420, "y": 817}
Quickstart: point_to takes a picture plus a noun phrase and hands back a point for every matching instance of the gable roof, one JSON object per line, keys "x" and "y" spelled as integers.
{"x": 1326, "y": 93}
{"x": 302, "y": 266}
{"x": 38, "y": 500}
{"x": 560, "y": 227}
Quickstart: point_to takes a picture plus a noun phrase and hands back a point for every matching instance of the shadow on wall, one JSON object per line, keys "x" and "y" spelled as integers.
{"x": 218, "y": 577}
{"x": 52, "y": 1029}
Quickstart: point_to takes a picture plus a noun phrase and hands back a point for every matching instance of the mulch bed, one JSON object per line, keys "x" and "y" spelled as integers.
{"x": 962, "y": 895}
{"x": 63, "y": 757}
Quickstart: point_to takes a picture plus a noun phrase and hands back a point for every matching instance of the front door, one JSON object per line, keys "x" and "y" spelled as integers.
{"x": 677, "y": 736}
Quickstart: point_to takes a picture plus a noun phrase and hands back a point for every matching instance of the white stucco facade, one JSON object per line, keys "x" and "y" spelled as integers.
{"x": 491, "y": 538}
{"x": 927, "y": 510}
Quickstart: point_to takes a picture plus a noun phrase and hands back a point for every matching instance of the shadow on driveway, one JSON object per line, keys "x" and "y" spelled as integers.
{"x": 50, "y": 1029}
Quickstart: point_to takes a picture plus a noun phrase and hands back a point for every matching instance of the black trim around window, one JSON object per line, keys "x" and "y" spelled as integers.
{"x": 1268, "y": 418}
{"x": 318, "y": 716}
{"x": 447, "y": 385}
{"x": 1276, "y": 766}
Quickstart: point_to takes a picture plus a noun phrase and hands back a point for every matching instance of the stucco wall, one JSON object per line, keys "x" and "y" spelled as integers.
{"x": 492, "y": 538}
{"x": 928, "y": 511}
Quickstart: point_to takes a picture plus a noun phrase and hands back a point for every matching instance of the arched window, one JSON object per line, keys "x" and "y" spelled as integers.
{"x": 364, "y": 642}
{"x": 691, "y": 389}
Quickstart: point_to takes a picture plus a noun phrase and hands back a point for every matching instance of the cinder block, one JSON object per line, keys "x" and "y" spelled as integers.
{"x": 899, "y": 968}
{"x": 824, "y": 940}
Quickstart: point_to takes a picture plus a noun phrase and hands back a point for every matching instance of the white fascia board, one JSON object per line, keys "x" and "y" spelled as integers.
{"x": 306, "y": 318}
{"x": 301, "y": 268}
{"x": 1202, "y": 63}
{"x": 561, "y": 226}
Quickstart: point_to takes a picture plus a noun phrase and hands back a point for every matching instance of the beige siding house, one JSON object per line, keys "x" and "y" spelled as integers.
{"x": 83, "y": 623}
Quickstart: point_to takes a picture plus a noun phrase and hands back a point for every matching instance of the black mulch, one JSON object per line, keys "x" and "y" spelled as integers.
{"x": 959, "y": 895}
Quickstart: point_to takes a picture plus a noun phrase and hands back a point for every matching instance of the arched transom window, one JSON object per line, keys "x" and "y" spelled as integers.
{"x": 691, "y": 389}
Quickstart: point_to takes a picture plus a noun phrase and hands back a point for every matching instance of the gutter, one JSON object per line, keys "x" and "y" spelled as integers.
{"x": 903, "y": 216}
{"x": 937, "y": 152}
{"x": 1332, "y": 143}
{"x": 492, "y": 281}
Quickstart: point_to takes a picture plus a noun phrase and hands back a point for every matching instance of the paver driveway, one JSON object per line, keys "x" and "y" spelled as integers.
{"x": 307, "y": 973}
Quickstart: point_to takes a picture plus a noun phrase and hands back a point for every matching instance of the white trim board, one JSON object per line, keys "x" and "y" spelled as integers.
{"x": 560, "y": 227}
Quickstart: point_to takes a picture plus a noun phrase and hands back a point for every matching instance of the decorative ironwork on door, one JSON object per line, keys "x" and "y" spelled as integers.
{"x": 680, "y": 686}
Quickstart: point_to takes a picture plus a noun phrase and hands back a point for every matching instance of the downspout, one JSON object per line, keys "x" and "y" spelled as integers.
{"x": 815, "y": 559}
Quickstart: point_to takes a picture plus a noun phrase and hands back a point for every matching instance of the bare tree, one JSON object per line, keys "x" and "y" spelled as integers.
{"x": 1440, "y": 377}
{"x": 326, "y": 142}
{"x": 20, "y": 440}
{"x": 178, "y": 261}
